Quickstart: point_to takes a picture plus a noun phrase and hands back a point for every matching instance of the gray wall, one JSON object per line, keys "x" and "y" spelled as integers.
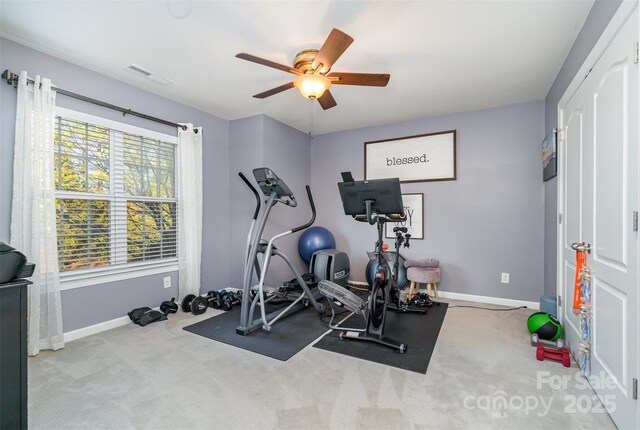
{"x": 490, "y": 220}
{"x": 94, "y": 304}
{"x": 287, "y": 152}
{"x": 598, "y": 19}
{"x": 245, "y": 153}
{"x": 261, "y": 141}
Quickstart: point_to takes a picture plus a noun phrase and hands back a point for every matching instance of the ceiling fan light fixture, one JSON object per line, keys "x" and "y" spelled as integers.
{"x": 312, "y": 86}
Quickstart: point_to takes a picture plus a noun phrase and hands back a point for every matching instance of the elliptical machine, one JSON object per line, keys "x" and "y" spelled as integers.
{"x": 298, "y": 292}
{"x": 376, "y": 202}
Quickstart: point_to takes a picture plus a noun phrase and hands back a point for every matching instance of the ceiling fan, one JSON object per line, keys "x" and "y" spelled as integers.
{"x": 313, "y": 70}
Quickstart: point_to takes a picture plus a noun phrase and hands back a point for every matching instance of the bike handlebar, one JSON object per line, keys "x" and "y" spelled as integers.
{"x": 396, "y": 217}
{"x": 383, "y": 218}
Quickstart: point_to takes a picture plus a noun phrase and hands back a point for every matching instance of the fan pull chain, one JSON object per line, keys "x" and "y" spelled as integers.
{"x": 311, "y": 118}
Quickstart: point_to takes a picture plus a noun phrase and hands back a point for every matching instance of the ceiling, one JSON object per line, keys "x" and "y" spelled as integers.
{"x": 443, "y": 56}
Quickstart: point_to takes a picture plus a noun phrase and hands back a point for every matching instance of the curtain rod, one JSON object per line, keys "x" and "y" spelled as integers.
{"x": 12, "y": 79}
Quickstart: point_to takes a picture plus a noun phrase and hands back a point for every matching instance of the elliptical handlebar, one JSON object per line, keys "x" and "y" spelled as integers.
{"x": 255, "y": 192}
{"x": 291, "y": 203}
{"x": 313, "y": 212}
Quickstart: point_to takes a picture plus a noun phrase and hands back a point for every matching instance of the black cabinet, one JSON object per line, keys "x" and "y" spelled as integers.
{"x": 13, "y": 354}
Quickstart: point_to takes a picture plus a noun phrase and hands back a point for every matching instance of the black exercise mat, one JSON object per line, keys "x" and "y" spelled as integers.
{"x": 287, "y": 337}
{"x": 419, "y": 332}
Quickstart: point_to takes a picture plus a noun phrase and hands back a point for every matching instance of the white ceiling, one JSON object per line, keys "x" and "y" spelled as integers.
{"x": 443, "y": 56}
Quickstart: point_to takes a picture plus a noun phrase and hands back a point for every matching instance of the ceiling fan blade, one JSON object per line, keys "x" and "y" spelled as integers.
{"x": 273, "y": 91}
{"x": 337, "y": 42}
{"x": 268, "y": 63}
{"x": 366, "y": 79}
{"x": 327, "y": 101}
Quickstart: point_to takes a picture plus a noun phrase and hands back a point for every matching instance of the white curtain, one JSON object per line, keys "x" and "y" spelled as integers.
{"x": 33, "y": 211}
{"x": 189, "y": 209}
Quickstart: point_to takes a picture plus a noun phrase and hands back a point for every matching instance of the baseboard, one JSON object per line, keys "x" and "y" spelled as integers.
{"x": 96, "y": 328}
{"x": 490, "y": 300}
{"x": 119, "y": 322}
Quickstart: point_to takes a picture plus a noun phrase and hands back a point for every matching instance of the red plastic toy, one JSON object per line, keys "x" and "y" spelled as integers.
{"x": 561, "y": 355}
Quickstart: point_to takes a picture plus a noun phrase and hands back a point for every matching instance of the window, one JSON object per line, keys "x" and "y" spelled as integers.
{"x": 116, "y": 202}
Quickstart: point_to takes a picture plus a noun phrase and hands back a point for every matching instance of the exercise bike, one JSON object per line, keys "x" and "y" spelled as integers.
{"x": 298, "y": 292}
{"x": 376, "y": 202}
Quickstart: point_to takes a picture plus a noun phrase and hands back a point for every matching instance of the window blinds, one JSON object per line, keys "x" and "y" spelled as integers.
{"x": 116, "y": 196}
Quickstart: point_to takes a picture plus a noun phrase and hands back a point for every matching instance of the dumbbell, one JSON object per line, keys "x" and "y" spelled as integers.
{"x": 197, "y": 305}
{"x": 227, "y": 299}
{"x": 212, "y": 299}
{"x": 169, "y": 307}
{"x": 216, "y": 298}
{"x": 237, "y": 297}
{"x": 422, "y": 300}
{"x": 227, "y": 303}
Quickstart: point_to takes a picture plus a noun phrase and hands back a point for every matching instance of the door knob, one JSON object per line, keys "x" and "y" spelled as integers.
{"x": 581, "y": 247}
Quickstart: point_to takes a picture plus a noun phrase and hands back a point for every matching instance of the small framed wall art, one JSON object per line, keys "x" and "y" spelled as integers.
{"x": 414, "y": 208}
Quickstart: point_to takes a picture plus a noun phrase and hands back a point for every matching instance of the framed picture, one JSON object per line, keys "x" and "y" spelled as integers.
{"x": 549, "y": 156}
{"x": 414, "y": 208}
{"x": 426, "y": 157}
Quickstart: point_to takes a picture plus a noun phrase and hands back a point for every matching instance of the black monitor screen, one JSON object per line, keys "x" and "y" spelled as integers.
{"x": 385, "y": 192}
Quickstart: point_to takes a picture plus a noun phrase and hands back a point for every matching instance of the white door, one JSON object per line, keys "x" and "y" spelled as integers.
{"x": 599, "y": 179}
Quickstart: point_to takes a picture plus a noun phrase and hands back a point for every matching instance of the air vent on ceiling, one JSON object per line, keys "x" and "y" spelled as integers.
{"x": 141, "y": 71}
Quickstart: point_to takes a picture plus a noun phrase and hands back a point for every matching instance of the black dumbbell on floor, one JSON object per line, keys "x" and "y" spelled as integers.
{"x": 169, "y": 306}
{"x": 197, "y": 305}
{"x": 221, "y": 299}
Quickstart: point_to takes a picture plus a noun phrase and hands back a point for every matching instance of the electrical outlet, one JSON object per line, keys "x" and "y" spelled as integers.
{"x": 505, "y": 278}
{"x": 167, "y": 281}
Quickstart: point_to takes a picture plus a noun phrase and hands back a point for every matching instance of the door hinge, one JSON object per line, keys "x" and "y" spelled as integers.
{"x": 559, "y": 218}
{"x": 559, "y": 301}
{"x": 635, "y": 389}
{"x": 636, "y": 53}
{"x": 635, "y": 220}
{"x": 560, "y": 135}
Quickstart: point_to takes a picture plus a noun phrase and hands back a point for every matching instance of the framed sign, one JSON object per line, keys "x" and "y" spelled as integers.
{"x": 426, "y": 157}
{"x": 414, "y": 208}
{"x": 549, "y": 158}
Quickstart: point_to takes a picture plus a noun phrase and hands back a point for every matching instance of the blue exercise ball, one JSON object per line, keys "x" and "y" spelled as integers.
{"x": 315, "y": 239}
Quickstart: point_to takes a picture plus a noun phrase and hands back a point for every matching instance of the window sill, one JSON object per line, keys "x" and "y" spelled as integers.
{"x": 86, "y": 278}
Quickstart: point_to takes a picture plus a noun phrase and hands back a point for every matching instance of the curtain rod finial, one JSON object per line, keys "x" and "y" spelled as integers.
{"x": 10, "y": 77}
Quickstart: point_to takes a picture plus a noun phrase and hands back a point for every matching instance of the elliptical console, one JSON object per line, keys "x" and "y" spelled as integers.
{"x": 269, "y": 183}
